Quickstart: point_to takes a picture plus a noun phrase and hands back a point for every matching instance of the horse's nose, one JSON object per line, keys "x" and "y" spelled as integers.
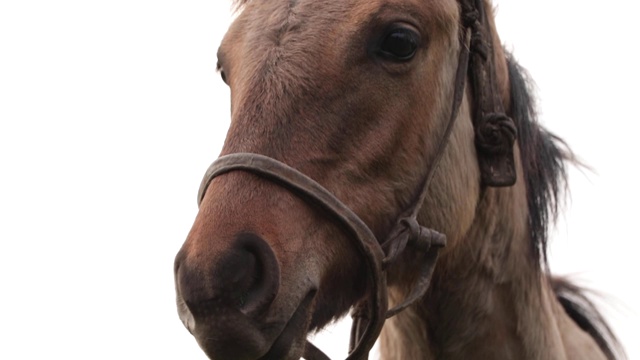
{"x": 245, "y": 277}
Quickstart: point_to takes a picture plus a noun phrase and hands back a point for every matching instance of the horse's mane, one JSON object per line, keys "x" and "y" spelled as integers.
{"x": 544, "y": 159}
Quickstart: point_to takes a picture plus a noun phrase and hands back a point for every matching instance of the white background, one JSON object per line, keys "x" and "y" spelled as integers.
{"x": 110, "y": 111}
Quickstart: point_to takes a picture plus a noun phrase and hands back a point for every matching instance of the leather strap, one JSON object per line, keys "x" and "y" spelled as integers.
{"x": 495, "y": 132}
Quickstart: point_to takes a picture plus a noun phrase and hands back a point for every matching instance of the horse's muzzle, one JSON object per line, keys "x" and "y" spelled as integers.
{"x": 225, "y": 302}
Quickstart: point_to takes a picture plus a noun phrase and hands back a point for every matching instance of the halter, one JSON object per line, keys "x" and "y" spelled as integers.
{"x": 495, "y": 135}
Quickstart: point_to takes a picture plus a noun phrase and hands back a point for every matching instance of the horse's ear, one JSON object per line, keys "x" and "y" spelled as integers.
{"x": 495, "y": 137}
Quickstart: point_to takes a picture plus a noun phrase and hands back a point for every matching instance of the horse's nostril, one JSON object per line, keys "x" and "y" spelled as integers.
{"x": 235, "y": 275}
{"x": 246, "y": 277}
{"x": 259, "y": 278}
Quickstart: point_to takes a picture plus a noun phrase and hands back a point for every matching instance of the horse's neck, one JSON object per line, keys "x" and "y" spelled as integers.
{"x": 488, "y": 298}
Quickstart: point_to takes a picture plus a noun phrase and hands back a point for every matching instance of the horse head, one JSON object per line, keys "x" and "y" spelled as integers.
{"x": 357, "y": 96}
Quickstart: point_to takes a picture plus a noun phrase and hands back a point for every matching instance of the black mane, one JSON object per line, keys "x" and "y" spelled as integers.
{"x": 544, "y": 159}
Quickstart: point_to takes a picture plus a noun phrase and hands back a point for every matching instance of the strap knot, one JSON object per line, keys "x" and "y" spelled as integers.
{"x": 428, "y": 241}
{"x": 496, "y": 134}
{"x": 478, "y": 45}
{"x": 470, "y": 18}
{"x": 409, "y": 233}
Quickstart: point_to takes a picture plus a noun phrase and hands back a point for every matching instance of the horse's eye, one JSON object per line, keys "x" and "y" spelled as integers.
{"x": 399, "y": 44}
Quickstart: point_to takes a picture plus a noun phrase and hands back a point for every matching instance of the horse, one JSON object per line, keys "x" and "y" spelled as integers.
{"x": 383, "y": 157}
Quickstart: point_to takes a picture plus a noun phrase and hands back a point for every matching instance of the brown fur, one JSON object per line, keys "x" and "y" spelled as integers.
{"x": 305, "y": 90}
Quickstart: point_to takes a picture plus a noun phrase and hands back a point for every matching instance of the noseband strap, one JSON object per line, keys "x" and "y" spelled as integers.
{"x": 495, "y": 136}
{"x": 310, "y": 190}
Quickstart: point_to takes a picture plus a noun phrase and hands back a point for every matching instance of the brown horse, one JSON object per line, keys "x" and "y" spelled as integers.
{"x": 366, "y": 104}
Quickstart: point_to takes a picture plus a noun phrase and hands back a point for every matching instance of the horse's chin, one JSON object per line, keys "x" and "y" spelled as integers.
{"x": 291, "y": 341}
{"x": 231, "y": 334}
